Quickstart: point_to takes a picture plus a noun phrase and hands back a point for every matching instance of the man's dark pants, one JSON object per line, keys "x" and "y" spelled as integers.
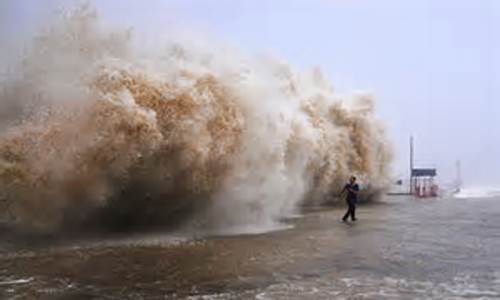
{"x": 351, "y": 210}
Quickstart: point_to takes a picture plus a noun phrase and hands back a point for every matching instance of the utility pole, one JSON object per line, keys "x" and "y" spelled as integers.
{"x": 411, "y": 165}
{"x": 459, "y": 181}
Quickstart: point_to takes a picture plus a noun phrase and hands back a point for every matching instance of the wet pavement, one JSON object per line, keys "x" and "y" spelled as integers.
{"x": 401, "y": 248}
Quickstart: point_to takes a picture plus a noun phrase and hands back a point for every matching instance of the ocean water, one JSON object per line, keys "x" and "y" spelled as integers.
{"x": 400, "y": 248}
{"x": 478, "y": 192}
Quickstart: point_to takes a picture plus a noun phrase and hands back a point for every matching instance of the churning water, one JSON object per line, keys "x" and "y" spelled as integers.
{"x": 100, "y": 132}
{"x": 401, "y": 248}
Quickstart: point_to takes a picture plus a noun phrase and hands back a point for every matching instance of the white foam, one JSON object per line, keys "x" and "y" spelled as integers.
{"x": 16, "y": 281}
{"x": 478, "y": 192}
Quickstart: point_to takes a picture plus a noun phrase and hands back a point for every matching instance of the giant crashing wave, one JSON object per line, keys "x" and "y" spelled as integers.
{"x": 97, "y": 132}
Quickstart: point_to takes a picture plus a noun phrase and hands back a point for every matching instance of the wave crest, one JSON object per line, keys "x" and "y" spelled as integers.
{"x": 103, "y": 133}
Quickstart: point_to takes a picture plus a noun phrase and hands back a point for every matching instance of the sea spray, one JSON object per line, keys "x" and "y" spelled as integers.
{"x": 101, "y": 133}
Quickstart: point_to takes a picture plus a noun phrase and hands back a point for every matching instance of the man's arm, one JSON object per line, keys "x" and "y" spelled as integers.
{"x": 343, "y": 191}
{"x": 352, "y": 190}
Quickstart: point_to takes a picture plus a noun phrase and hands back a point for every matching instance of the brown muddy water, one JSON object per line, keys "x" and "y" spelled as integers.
{"x": 400, "y": 248}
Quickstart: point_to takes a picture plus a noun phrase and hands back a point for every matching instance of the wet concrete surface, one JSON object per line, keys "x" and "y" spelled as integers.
{"x": 401, "y": 248}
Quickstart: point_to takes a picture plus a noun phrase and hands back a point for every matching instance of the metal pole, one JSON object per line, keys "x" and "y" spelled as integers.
{"x": 459, "y": 175}
{"x": 411, "y": 164}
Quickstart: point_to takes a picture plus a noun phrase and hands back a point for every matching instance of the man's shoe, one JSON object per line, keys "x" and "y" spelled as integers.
{"x": 344, "y": 220}
{"x": 354, "y": 220}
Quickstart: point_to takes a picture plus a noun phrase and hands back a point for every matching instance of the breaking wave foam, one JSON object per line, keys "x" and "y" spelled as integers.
{"x": 100, "y": 132}
{"x": 478, "y": 192}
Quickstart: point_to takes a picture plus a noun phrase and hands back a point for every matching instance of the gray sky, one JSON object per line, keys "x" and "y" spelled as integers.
{"x": 433, "y": 65}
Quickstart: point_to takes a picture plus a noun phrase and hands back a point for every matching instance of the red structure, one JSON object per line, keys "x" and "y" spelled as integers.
{"x": 422, "y": 182}
{"x": 422, "y": 179}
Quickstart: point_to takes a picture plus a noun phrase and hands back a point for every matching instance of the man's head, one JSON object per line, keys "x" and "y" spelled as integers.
{"x": 352, "y": 180}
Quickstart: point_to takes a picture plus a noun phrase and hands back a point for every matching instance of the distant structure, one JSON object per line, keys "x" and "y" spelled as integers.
{"x": 458, "y": 181}
{"x": 422, "y": 182}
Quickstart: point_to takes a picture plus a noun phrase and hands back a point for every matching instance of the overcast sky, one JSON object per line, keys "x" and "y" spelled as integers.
{"x": 433, "y": 66}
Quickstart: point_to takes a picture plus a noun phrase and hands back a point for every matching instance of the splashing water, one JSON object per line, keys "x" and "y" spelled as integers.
{"x": 478, "y": 192}
{"x": 98, "y": 132}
